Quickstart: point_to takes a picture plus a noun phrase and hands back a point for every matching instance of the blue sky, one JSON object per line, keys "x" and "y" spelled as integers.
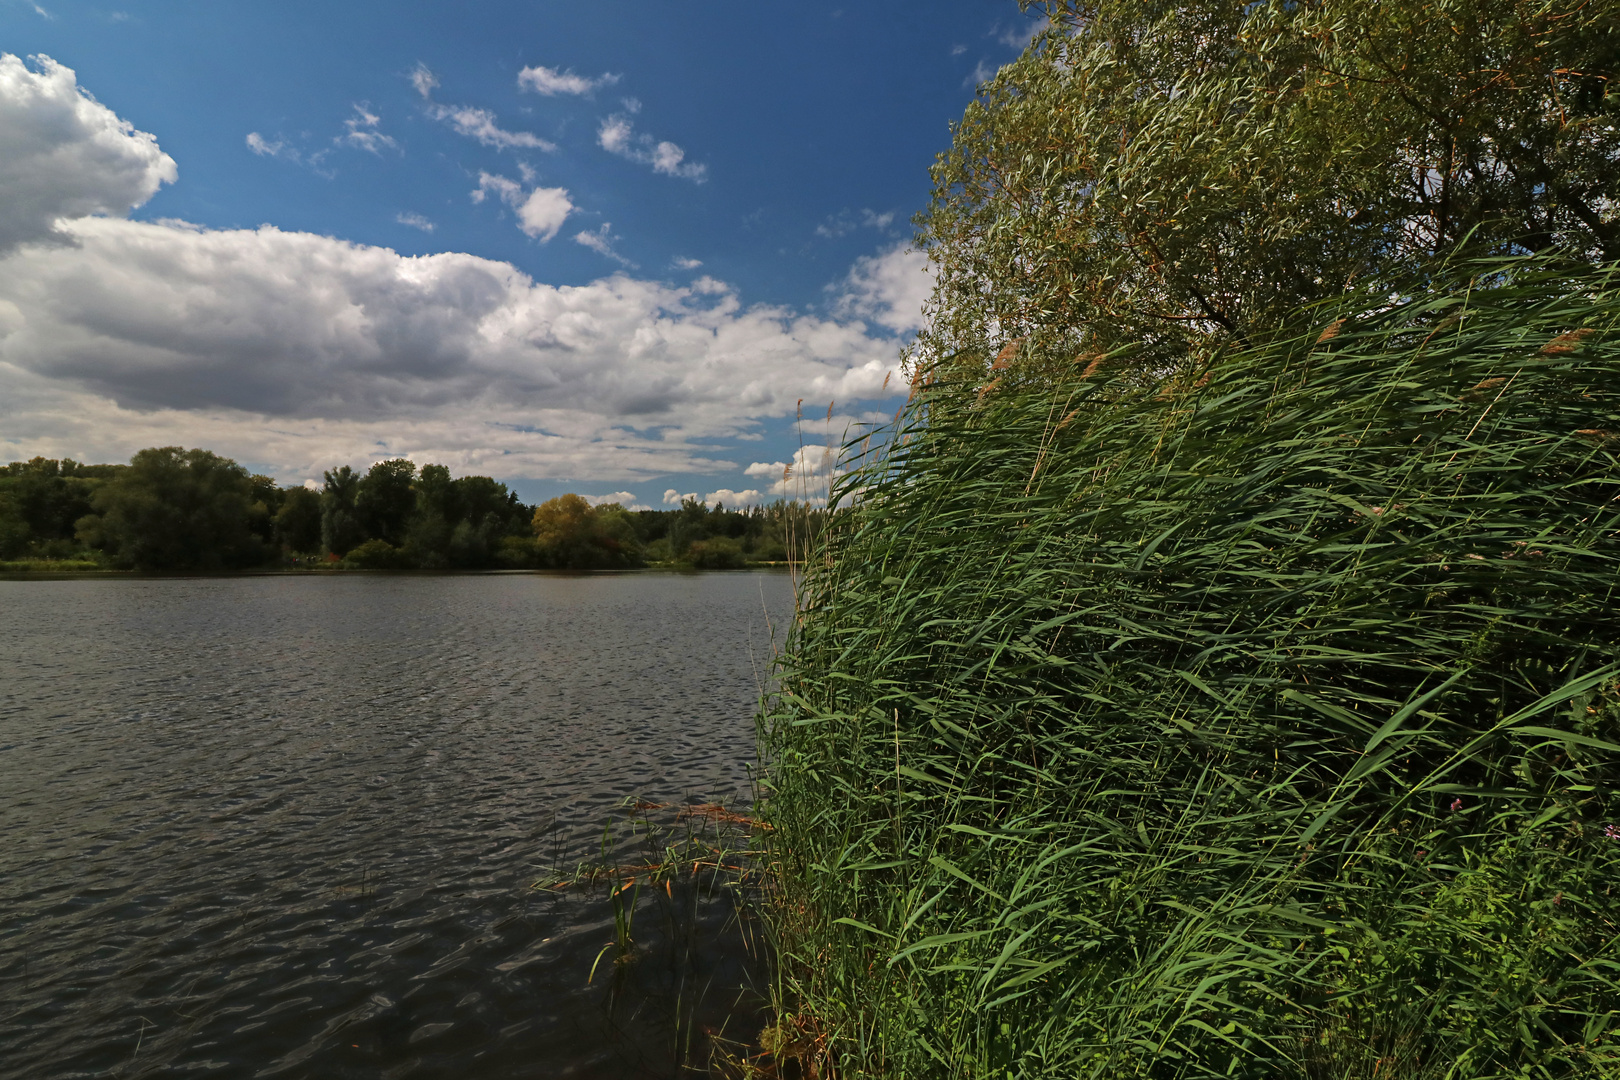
{"x": 599, "y": 248}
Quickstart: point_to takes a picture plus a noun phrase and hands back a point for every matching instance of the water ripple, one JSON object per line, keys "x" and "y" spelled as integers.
{"x": 286, "y": 826}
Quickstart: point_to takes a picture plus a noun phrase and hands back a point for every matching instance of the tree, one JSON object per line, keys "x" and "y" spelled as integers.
{"x": 571, "y": 534}
{"x": 340, "y": 525}
{"x": 1175, "y": 176}
{"x": 177, "y": 509}
{"x": 298, "y": 521}
{"x": 40, "y": 502}
{"x": 386, "y": 500}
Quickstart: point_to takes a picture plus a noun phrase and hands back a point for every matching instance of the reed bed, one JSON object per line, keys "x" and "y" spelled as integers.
{"x": 1257, "y": 722}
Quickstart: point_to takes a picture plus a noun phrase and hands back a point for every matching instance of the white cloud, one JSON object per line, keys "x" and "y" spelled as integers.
{"x": 540, "y": 212}
{"x": 732, "y": 499}
{"x": 805, "y": 478}
{"x": 1018, "y": 35}
{"x": 65, "y": 155}
{"x": 265, "y": 148}
{"x": 601, "y": 242}
{"x": 618, "y": 136}
{"x": 681, "y": 262}
{"x": 414, "y": 220}
{"x": 152, "y": 333}
{"x": 958, "y": 50}
{"x": 474, "y": 123}
{"x": 279, "y": 149}
{"x": 544, "y": 212}
{"x": 424, "y": 80}
{"x": 626, "y": 499}
{"x": 363, "y": 133}
{"x": 844, "y": 222}
{"x": 294, "y": 351}
{"x": 981, "y": 73}
{"x": 480, "y": 124}
{"x": 889, "y": 288}
{"x": 550, "y": 81}
{"x": 674, "y": 498}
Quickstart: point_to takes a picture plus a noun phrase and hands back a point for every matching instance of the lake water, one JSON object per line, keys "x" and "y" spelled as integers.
{"x": 291, "y": 826}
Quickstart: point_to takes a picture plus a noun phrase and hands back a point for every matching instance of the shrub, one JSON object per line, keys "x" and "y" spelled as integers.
{"x": 716, "y": 553}
{"x": 376, "y": 555}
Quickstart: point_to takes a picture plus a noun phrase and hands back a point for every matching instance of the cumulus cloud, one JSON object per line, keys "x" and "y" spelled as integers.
{"x": 805, "y": 478}
{"x": 160, "y": 319}
{"x": 673, "y": 497}
{"x": 889, "y": 288}
{"x": 414, "y": 220}
{"x": 363, "y": 132}
{"x": 681, "y": 262}
{"x": 550, "y": 81}
{"x": 618, "y": 136}
{"x": 625, "y": 499}
{"x": 601, "y": 242}
{"x": 540, "y": 212}
{"x": 733, "y": 499}
{"x": 65, "y": 155}
{"x": 292, "y": 351}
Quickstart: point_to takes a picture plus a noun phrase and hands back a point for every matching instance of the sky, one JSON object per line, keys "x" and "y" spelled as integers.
{"x": 635, "y": 251}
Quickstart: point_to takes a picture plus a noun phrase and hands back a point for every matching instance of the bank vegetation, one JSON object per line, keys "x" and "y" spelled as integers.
{"x": 1214, "y": 671}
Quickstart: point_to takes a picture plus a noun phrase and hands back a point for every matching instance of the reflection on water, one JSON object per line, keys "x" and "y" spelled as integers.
{"x": 288, "y": 826}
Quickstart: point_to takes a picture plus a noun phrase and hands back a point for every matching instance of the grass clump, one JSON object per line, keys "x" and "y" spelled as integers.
{"x": 1261, "y": 724}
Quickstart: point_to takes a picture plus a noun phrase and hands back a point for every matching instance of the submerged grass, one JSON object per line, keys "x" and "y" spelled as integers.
{"x": 682, "y": 882}
{"x": 1259, "y": 724}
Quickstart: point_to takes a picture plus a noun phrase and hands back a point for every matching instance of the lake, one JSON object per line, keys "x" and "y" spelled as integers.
{"x": 292, "y": 826}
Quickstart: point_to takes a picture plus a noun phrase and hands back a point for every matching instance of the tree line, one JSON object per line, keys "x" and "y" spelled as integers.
{"x": 173, "y": 508}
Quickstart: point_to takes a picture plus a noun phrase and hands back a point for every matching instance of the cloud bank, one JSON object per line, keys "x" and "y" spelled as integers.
{"x": 295, "y": 351}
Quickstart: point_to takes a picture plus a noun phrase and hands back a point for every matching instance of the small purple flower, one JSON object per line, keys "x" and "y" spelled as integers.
{"x": 1456, "y": 804}
{"x": 1612, "y": 832}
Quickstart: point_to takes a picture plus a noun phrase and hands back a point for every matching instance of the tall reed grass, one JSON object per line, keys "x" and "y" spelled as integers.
{"x": 1259, "y": 723}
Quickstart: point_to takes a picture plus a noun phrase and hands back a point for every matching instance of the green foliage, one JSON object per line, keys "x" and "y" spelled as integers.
{"x": 782, "y": 531}
{"x": 1173, "y": 176}
{"x": 716, "y": 553}
{"x": 298, "y": 520}
{"x": 178, "y": 509}
{"x": 340, "y": 521}
{"x": 40, "y": 502}
{"x": 377, "y": 554}
{"x": 385, "y": 500}
{"x": 571, "y": 534}
{"x": 422, "y": 519}
{"x": 1261, "y": 722}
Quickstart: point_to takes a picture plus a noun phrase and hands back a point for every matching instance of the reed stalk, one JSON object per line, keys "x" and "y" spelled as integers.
{"x": 1262, "y": 724}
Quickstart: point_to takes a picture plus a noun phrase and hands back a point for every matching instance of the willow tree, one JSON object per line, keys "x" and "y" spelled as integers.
{"x": 1180, "y": 175}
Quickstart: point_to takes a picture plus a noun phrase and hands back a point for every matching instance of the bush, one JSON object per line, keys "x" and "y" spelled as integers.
{"x": 376, "y": 555}
{"x": 716, "y": 553}
{"x": 1259, "y": 724}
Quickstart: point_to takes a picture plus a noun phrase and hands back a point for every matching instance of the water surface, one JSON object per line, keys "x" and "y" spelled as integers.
{"x": 289, "y": 826}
